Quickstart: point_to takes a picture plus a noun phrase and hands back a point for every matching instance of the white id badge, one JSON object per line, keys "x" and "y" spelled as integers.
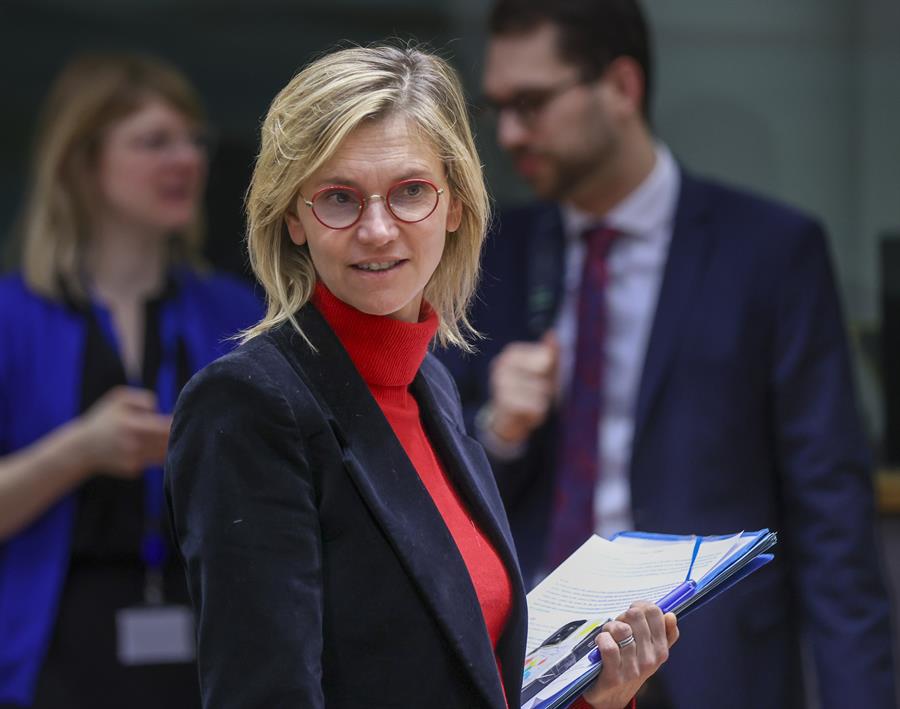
{"x": 152, "y": 635}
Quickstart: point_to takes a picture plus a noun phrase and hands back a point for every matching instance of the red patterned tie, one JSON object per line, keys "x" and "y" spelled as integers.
{"x": 578, "y": 459}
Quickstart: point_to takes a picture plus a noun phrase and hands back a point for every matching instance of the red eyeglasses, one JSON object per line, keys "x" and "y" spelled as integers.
{"x": 341, "y": 206}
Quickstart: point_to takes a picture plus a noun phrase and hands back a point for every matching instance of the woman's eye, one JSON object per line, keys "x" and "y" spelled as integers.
{"x": 413, "y": 190}
{"x": 153, "y": 141}
{"x": 339, "y": 197}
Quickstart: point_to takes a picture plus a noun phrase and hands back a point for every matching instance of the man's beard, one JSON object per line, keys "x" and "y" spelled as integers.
{"x": 569, "y": 175}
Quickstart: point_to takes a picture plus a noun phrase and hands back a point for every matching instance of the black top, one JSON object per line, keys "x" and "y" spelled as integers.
{"x": 106, "y": 571}
{"x": 110, "y": 520}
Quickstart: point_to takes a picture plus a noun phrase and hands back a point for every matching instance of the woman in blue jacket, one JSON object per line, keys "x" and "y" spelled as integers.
{"x": 109, "y": 315}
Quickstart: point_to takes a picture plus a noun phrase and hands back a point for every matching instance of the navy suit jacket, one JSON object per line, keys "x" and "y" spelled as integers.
{"x": 745, "y": 418}
{"x": 321, "y": 572}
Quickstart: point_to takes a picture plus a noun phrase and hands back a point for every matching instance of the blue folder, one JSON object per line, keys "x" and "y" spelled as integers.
{"x": 690, "y": 596}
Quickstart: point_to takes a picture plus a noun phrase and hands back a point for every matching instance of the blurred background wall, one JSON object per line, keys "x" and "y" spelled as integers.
{"x": 799, "y": 100}
{"x": 795, "y": 99}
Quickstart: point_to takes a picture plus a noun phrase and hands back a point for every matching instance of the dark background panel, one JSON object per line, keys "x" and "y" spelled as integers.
{"x": 238, "y": 55}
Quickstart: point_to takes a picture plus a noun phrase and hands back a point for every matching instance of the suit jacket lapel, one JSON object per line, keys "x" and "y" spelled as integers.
{"x": 688, "y": 256}
{"x": 393, "y": 491}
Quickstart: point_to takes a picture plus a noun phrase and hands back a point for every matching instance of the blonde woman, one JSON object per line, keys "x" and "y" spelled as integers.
{"x": 104, "y": 322}
{"x": 344, "y": 540}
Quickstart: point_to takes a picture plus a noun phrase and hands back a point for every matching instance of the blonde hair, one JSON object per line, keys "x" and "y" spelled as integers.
{"x": 92, "y": 92}
{"x": 306, "y": 124}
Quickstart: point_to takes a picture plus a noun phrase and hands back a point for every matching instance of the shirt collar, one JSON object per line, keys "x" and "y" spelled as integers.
{"x": 647, "y": 212}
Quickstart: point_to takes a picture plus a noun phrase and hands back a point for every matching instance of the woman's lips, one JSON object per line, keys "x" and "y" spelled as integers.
{"x": 377, "y": 267}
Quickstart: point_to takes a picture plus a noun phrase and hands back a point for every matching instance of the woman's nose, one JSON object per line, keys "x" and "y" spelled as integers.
{"x": 377, "y": 225}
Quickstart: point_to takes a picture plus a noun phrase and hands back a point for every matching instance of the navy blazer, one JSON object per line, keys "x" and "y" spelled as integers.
{"x": 321, "y": 572}
{"x": 745, "y": 418}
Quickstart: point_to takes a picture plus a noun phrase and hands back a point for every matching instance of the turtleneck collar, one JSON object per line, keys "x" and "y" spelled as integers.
{"x": 387, "y": 352}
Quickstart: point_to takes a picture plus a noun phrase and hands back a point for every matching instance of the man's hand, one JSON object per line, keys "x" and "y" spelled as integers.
{"x": 523, "y": 383}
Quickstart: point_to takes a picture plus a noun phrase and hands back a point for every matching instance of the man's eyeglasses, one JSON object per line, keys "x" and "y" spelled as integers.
{"x": 528, "y": 105}
{"x": 340, "y": 206}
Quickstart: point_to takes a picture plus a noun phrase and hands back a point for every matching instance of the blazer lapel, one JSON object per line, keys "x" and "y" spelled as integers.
{"x": 393, "y": 491}
{"x": 688, "y": 256}
{"x": 463, "y": 457}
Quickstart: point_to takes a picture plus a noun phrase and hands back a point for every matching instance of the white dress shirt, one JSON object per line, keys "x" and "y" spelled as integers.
{"x": 635, "y": 267}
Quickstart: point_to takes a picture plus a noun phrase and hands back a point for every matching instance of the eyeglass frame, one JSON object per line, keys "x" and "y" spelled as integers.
{"x": 364, "y": 201}
{"x": 527, "y": 115}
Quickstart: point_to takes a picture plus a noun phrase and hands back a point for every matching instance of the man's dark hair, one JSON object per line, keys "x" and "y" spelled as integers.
{"x": 592, "y": 33}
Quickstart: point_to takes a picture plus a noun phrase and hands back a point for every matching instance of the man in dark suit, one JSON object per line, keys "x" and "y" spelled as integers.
{"x": 710, "y": 391}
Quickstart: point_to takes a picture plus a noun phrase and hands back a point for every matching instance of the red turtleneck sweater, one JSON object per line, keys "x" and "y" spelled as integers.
{"x": 388, "y": 354}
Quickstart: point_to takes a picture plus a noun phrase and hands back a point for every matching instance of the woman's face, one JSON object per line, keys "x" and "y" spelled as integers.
{"x": 151, "y": 169}
{"x": 379, "y": 265}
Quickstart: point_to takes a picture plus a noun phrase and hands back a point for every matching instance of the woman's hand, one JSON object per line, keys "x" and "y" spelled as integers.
{"x": 122, "y": 433}
{"x": 627, "y": 664}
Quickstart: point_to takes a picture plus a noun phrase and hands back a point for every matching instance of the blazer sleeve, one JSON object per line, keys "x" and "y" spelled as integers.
{"x": 243, "y": 510}
{"x": 827, "y": 487}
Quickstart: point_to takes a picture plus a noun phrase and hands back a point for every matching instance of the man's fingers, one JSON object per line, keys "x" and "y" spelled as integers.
{"x": 550, "y": 341}
{"x": 520, "y": 395}
{"x": 523, "y": 387}
{"x": 530, "y": 358}
{"x": 515, "y": 391}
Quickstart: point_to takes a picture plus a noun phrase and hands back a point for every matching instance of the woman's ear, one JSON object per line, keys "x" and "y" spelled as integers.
{"x": 454, "y": 215}
{"x": 295, "y": 228}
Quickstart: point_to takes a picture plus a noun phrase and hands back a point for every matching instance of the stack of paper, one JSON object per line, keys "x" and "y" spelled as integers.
{"x": 600, "y": 581}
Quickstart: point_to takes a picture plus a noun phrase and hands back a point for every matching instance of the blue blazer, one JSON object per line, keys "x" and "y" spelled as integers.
{"x": 321, "y": 572}
{"x": 745, "y": 418}
{"x": 41, "y": 366}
